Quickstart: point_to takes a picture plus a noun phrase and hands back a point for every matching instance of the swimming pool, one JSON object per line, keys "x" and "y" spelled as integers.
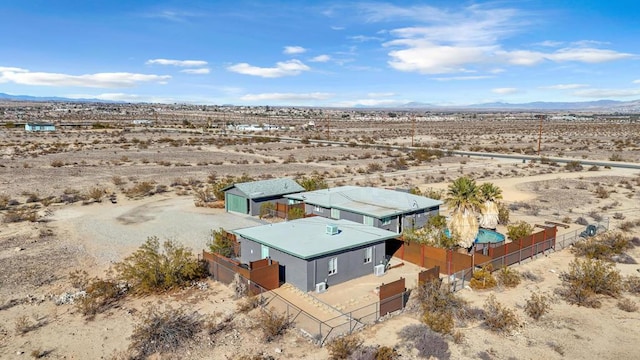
{"x": 484, "y": 236}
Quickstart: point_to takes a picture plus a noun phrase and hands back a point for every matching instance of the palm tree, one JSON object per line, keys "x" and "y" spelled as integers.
{"x": 489, "y": 194}
{"x": 464, "y": 201}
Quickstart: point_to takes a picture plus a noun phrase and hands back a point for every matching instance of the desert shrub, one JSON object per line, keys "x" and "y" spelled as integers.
{"x": 343, "y": 347}
{"x": 19, "y": 215}
{"x": 595, "y": 215}
{"x": 503, "y": 214}
{"x": 627, "y": 226}
{"x": 499, "y": 318}
{"x": 314, "y": 182}
{"x": 57, "y": 163}
{"x": 221, "y": 243}
{"x": 79, "y": 279}
{"x": 151, "y": 269}
{"x": 439, "y": 321}
{"x": 632, "y": 284}
{"x": 118, "y": 180}
{"x": 587, "y": 278}
{"x": 483, "y": 278}
{"x": 618, "y": 216}
{"x": 96, "y": 194}
{"x": 427, "y": 342}
{"x": 582, "y": 221}
{"x": 272, "y": 324}
{"x": 22, "y": 324}
{"x": 4, "y": 201}
{"x": 203, "y": 196}
{"x": 573, "y": 166}
{"x": 163, "y": 331}
{"x": 537, "y": 305}
{"x": 627, "y": 305}
{"x": 509, "y": 277}
{"x": 381, "y": 353}
{"x": 250, "y": 303}
{"x": 603, "y": 246}
{"x": 267, "y": 209}
{"x": 519, "y": 230}
{"x": 70, "y": 196}
{"x": 140, "y": 189}
{"x": 32, "y": 197}
{"x": 100, "y": 295}
{"x": 295, "y": 213}
{"x": 441, "y": 308}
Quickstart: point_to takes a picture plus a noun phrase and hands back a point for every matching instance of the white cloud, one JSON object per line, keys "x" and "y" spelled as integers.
{"x": 427, "y": 58}
{"x": 97, "y": 80}
{"x": 549, "y": 43}
{"x": 287, "y": 96}
{"x": 607, "y": 93}
{"x": 181, "y": 63}
{"x": 337, "y": 28}
{"x": 470, "y": 38}
{"x": 456, "y": 78}
{"x": 321, "y": 58}
{"x": 504, "y": 91}
{"x": 379, "y": 95}
{"x": 285, "y": 68}
{"x": 521, "y": 57}
{"x": 363, "y": 38}
{"x": 636, "y": 81}
{"x": 196, "y": 71}
{"x": 565, "y": 86}
{"x": 292, "y": 50}
{"x": 587, "y": 55}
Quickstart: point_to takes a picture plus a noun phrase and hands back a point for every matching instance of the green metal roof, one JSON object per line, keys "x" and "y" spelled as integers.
{"x": 307, "y": 238}
{"x": 265, "y": 188}
{"x": 370, "y": 201}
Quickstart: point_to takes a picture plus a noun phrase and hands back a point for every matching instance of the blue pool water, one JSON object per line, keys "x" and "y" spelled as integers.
{"x": 485, "y": 236}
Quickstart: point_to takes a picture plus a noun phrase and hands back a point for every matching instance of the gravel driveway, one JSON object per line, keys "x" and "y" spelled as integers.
{"x": 110, "y": 232}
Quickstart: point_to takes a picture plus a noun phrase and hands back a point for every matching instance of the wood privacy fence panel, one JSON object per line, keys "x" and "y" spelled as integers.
{"x": 428, "y": 275}
{"x": 261, "y": 274}
{"x": 392, "y": 296}
{"x": 282, "y": 209}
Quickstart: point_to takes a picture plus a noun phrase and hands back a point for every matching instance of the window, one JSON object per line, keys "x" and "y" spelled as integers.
{"x": 264, "y": 251}
{"x": 317, "y": 209}
{"x": 333, "y": 266}
{"x": 367, "y": 220}
{"x": 335, "y": 214}
{"x": 386, "y": 221}
{"x": 368, "y": 254}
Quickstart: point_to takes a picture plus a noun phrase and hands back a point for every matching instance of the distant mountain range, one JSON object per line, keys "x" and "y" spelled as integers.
{"x": 539, "y": 105}
{"x": 8, "y": 97}
{"x": 597, "y": 105}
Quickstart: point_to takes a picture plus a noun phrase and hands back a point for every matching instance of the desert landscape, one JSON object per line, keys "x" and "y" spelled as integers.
{"x": 88, "y": 195}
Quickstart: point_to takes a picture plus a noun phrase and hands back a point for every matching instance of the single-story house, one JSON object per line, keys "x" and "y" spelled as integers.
{"x": 246, "y": 198}
{"x": 382, "y": 208}
{"x": 315, "y": 253}
{"x": 39, "y": 126}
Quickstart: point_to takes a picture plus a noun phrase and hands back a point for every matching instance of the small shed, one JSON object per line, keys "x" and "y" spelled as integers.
{"x": 315, "y": 253}
{"x": 246, "y": 198}
{"x": 39, "y": 126}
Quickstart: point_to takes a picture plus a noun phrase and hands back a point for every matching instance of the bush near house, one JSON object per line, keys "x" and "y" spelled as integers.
{"x": 153, "y": 269}
{"x": 587, "y": 278}
{"x": 519, "y": 230}
{"x": 222, "y": 243}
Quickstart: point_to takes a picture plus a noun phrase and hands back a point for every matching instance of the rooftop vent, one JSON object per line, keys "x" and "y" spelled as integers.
{"x": 332, "y": 229}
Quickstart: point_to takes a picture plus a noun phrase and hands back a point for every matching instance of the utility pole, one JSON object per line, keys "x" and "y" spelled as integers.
{"x": 541, "y": 117}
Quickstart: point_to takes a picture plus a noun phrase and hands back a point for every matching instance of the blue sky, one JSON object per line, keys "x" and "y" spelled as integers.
{"x": 321, "y": 53}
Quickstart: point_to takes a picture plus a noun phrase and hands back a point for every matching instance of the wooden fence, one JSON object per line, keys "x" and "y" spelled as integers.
{"x": 451, "y": 262}
{"x": 263, "y": 273}
{"x": 390, "y": 299}
{"x": 428, "y": 275}
{"x": 282, "y": 210}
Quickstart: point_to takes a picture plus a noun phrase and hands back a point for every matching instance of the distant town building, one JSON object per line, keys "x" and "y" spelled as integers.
{"x": 39, "y": 126}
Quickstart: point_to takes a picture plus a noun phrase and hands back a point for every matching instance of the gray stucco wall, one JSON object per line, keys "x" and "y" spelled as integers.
{"x": 419, "y": 218}
{"x": 305, "y": 274}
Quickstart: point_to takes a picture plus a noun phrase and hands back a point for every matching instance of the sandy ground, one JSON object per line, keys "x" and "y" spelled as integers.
{"x": 94, "y": 236}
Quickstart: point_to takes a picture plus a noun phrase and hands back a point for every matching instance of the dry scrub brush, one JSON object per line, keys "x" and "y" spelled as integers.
{"x": 509, "y": 277}
{"x": 152, "y": 269}
{"x": 100, "y": 295}
{"x": 499, "y": 318}
{"x": 587, "y": 278}
{"x": 343, "y": 347}
{"x": 603, "y": 247}
{"x": 163, "y": 331}
{"x": 442, "y": 308}
{"x": 272, "y": 324}
{"x": 537, "y": 305}
{"x": 483, "y": 278}
{"x": 429, "y": 344}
